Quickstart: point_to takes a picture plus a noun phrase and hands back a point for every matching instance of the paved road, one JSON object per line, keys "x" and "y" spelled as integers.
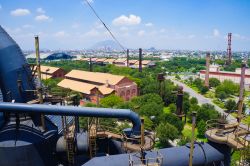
{"x": 202, "y": 100}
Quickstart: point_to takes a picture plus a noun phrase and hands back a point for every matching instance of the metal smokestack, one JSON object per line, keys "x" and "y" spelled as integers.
{"x": 207, "y": 70}
{"x": 140, "y": 60}
{"x": 229, "y": 51}
{"x": 90, "y": 65}
{"x": 241, "y": 96}
{"x": 127, "y": 57}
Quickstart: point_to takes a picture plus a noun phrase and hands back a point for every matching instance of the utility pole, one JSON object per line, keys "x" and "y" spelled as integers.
{"x": 39, "y": 88}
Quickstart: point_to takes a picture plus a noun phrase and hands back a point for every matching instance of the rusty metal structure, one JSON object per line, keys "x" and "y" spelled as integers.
{"x": 229, "y": 50}
{"x": 207, "y": 69}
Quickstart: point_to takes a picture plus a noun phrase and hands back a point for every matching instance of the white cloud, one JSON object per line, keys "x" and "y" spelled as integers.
{"x": 20, "y": 12}
{"x": 149, "y": 24}
{"x": 92, "y": 32}
{"x": 43, "y": 18}
{"x": 216, "y": 33}
{"x": 61, "y": 34}
{"x": 127, "y": 20}
{"x": 141, "y": 33}
{"x": 40, "y": 10}
{"x": 27, "y": 26}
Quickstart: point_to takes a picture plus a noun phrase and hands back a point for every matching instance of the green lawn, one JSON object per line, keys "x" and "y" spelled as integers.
{"x": 166, "y": 110}
{"x": 187, "y": 132}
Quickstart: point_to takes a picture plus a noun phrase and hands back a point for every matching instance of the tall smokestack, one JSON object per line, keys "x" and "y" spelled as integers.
{"x": 229, "y": 51}
{"x": 90, "y": 65}
{"x": 127, "y": 57}
{"x": 140, "y": 60}
{"x": 207, "y": 70}
{"x": 241, "y": 96}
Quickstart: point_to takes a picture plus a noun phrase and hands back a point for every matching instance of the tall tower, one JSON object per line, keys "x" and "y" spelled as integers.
{"x": 229, "y": 51}
{"x": 241, "y": 96}
{"x": 140, "y": 60}
{"x": 207, "y": 69}
{"x": 127, "y": 57}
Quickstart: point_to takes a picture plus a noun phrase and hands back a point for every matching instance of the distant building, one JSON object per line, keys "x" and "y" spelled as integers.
{"x": 226, "y": 75}
{"x": 94, "y": 84}
{"x": 51, "y": 72}
{"x": 120, "y": 62}
{"x": 145, "y": 63}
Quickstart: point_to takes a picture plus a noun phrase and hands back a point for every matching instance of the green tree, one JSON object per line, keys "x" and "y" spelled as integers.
{"x": 207, "y": 112}
{"x": 214, "y": 82}
{"x": 174, "y": 120}
{"x": 172, "y": 107}
{"x": 201, "y": 128}
{"x": 193, "y": 101}
{"x": 221, "y": 95}
{"x": 166, "y": 132}
{"x": 230, "y": 105}
{"x": 204, "y": 89}
{"x": 198, "y": 83}
{"x": 110, "y": 101}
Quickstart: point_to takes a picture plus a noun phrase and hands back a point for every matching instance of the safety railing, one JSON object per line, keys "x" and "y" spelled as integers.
{"x": 151, "y": 161}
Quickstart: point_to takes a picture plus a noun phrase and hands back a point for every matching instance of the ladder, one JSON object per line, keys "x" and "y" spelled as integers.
{"x": 70, "y": 150}
{"x": 92, "y": 136}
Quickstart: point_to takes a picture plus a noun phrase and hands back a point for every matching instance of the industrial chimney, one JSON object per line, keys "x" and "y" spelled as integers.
{"x": 90, "y": 65}
{"x": 207, "y": 69}
{"x": 241, "y": 96}
{"x": 140, "y": 60}
{"x": 229, "y": 53}
{"x": 127, "y": 57}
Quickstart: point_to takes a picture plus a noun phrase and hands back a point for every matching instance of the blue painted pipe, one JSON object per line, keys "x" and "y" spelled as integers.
{"x": 74, "y": 111}
{"x": 14, "y": 67}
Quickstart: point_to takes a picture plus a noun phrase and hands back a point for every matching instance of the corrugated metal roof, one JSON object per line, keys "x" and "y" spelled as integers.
{"x": 102, "y": 78}
{"x": 76, "y": 86}
{"x": 57, "y": 120}
{"x": 48, "y": 69}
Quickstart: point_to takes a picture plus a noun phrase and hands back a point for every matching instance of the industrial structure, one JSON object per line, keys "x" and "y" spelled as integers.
{"x": 229, "y": 50}
{"x": 207, "y": 70}
{"x": 30, "y": 136}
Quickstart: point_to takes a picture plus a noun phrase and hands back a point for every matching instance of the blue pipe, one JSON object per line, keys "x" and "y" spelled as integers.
{"x": 74, "y": 111}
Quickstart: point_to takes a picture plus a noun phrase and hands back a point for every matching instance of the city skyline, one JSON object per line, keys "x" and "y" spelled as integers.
{"x": 180, "y": 24}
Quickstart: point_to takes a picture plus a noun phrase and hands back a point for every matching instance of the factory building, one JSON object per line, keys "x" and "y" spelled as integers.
{"x": 52, "y": 72}
{"x": 94, "y": 85}
{"x": 214, "y": 72}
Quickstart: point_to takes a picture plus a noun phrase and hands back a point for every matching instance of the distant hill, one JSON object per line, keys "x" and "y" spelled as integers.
{"x": 107, "y": 45}
{"x": 59, "y": 56}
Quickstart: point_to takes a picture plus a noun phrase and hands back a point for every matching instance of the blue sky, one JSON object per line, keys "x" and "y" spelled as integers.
{"x": 165, "y": 24}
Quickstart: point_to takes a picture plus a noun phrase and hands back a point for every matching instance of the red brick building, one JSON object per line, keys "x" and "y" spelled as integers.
{"x": 93, "y": 84}
{"x": 52, "y": 72}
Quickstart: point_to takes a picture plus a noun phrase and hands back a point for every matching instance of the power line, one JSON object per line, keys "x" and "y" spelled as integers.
{"x": 112, "y": 35}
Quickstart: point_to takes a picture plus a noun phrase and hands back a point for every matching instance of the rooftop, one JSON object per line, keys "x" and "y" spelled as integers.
{"x": 102, "y": 78}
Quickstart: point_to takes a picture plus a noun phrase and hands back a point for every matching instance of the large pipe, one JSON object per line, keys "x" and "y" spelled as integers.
{"x": 74, "y": 111}
{"x": 204, "y": 155}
